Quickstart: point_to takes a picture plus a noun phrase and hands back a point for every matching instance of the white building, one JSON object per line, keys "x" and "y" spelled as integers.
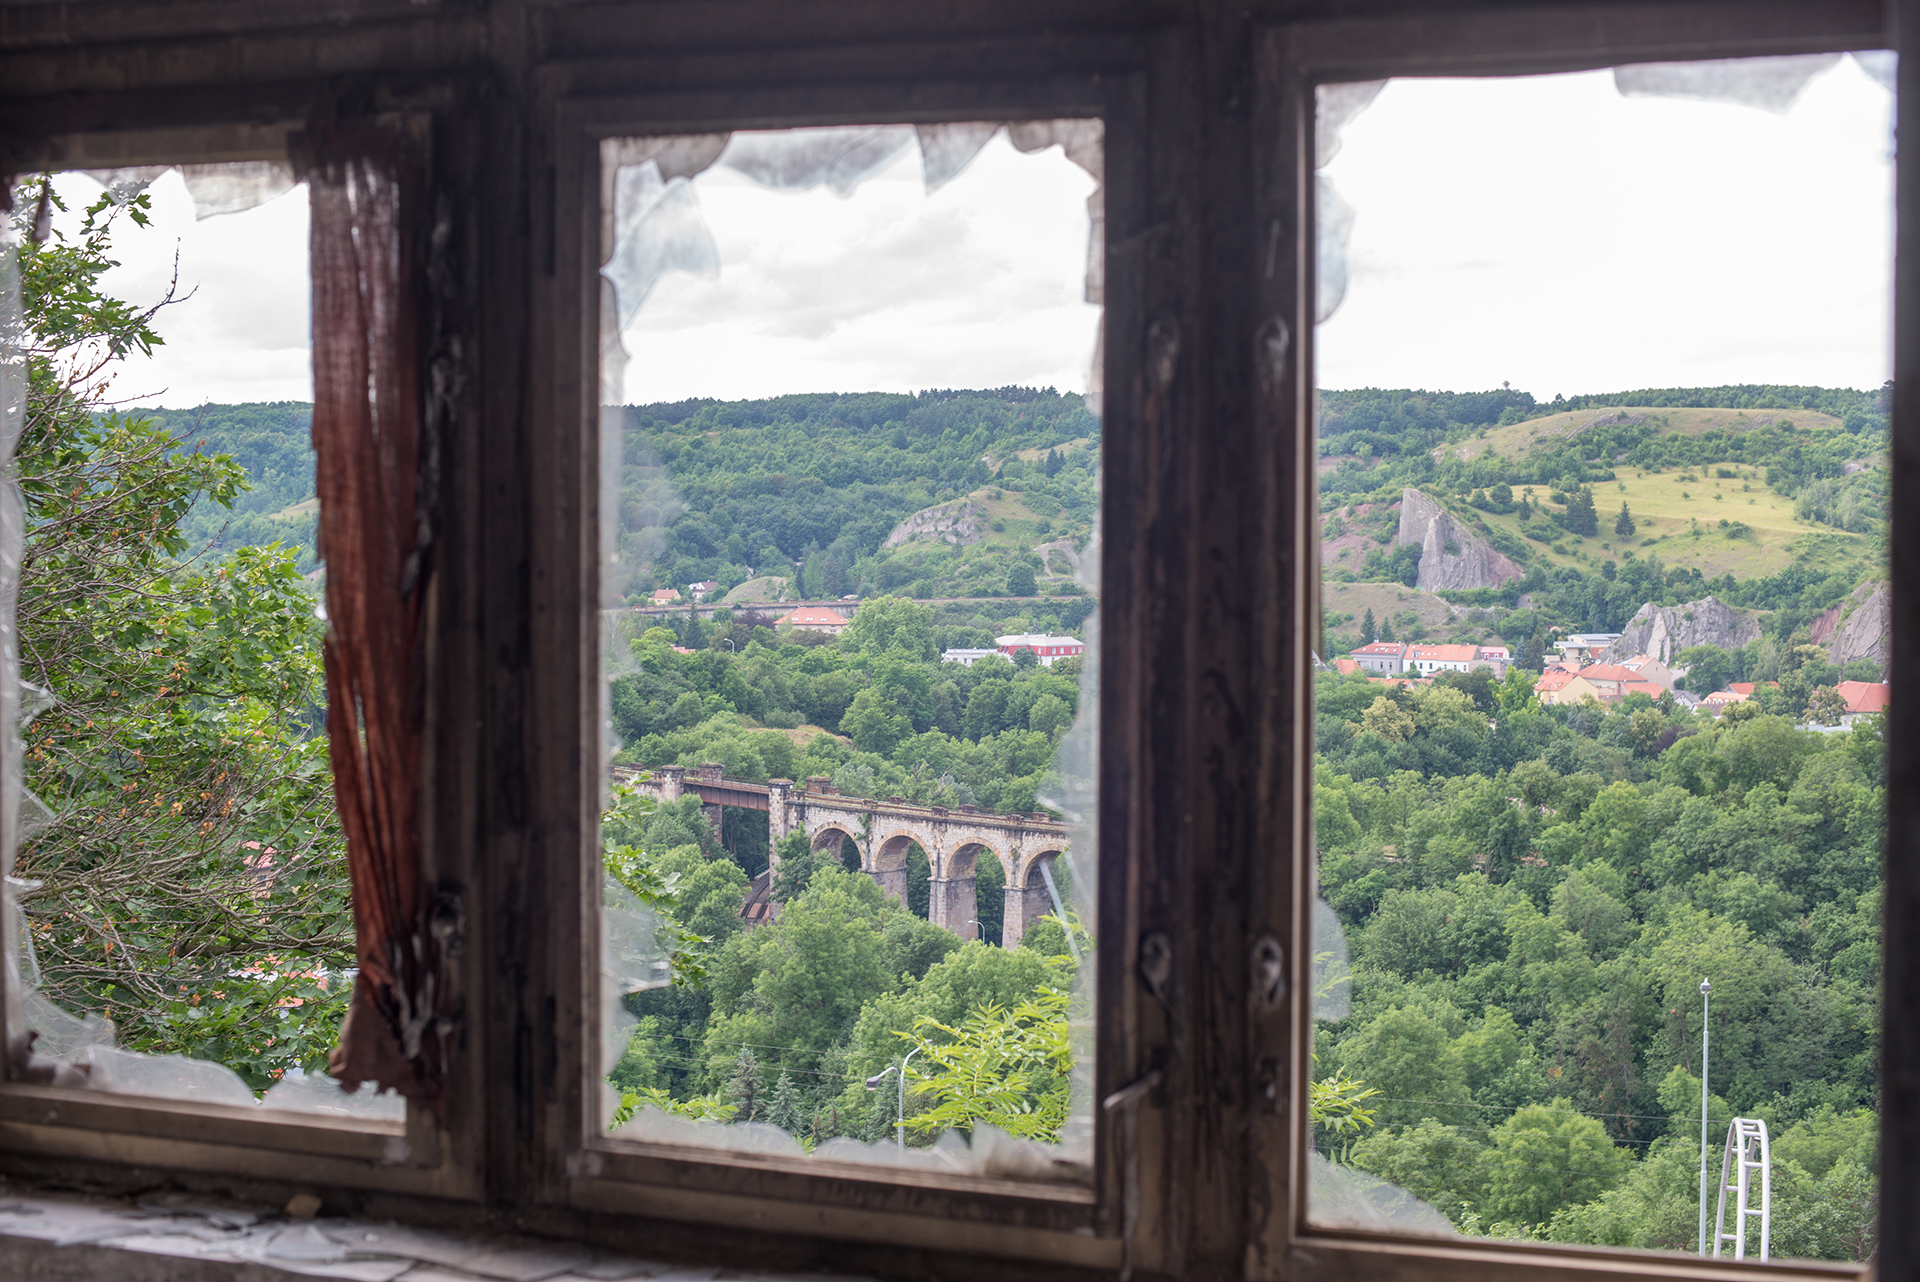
{"x": 1429, "y": 659}
{"x": 965, "y": 658}
{"x": 1386, "y": 657}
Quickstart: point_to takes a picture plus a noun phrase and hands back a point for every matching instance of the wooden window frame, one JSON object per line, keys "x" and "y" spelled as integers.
{"x": 1207, "y": 599}
{"x": 1291, "y": 61}
{"x": 1057, "y": 1222}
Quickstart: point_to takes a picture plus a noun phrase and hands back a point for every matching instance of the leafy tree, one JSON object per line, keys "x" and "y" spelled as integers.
{"x": 1021, "y": 581}
{"x": 1546, "y": 1156}
{"x": 1006, "y": 1067}
{"x": 1826, "y": 706}
{"x": 1050, "y": 715}
{"x": 193, "y": 880}
{"x": 797, "y": 862}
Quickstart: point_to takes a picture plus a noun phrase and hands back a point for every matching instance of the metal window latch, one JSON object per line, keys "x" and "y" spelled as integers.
{"x": 1156, "y": 967}
{"x": 1133, "y": 1092}
{"x": 1269, "y": 973}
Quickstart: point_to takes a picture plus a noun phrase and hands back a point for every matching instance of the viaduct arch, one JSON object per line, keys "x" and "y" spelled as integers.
{"x": 955, "y": 839}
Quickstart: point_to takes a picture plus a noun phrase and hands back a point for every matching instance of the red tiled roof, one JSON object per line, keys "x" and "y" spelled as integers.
{"x": 1345, "y": 667}
{"x": 1379, "y": 647}
{"x": 1609, "y": 672}
{"x": 1444, "y": 653}
{"x": 808, "y": 616}
{"x": 1553, "y": 680}
{"x": 1865, "y": 696}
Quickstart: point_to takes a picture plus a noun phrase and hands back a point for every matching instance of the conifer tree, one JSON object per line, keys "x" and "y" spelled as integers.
{"x": 1386, "y": 631}
{"x": 783, "y": 1106}
{"x": 1581, "y": 517}
{"x": 1624, "y": 526}
{"x": 1369, "y": 630}
{"x": 745, "y": 1091}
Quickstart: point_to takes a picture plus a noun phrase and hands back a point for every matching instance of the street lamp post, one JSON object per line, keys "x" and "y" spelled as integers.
{"x": 1706, "y": 990}
{"x": 873, "y": 1084}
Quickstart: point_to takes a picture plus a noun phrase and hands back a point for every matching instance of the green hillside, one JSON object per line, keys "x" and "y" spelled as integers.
{"x": 273, "y": 442}
{"x": 811, "y": 486}
{"x": 1774, "y": 499}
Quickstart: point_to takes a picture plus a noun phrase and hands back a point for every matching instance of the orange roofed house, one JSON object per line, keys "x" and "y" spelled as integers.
{"x": 1429, "y": 659}
{"x": 814, "y": 618}
{"x": 1601, "y": 682}
{"x": 1864, "y": 699}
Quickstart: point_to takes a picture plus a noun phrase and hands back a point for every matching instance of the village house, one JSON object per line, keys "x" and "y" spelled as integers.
{"x": 1551, "y": 682}
{"x": 702, "y": 590}
{"x": 664, "y": 596}
{"x": 1601, "y": 682}
{"x": 1384, "y": 657}
{"x": 1045, "y": 648}
{"x": 813, "y": 618}
{"x": 1429, "y": 659}
{"x": 1580, "y": 648}
{"x": 1864, "y": 699}
{"x": 1650, "y": 669}
{"x": 965, "y": 658}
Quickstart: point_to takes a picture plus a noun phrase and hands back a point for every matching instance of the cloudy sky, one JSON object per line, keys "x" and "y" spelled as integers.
{"x": 242, "y": 334}
{"x": 1550, "y": 233}
{"x": 1543, "y": 231}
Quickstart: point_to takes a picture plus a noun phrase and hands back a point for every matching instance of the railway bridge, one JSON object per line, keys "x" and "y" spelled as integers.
{"x": 954, "y": 839}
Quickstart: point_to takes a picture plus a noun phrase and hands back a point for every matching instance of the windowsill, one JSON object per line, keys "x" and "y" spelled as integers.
{"x": 190, "y": 1238}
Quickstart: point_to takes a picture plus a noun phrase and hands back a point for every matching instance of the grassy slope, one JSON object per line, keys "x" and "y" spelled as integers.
{"x": 1678, "y": 519}
{"x": 1519, "y": 439}
{"x": 1666, "y": 507}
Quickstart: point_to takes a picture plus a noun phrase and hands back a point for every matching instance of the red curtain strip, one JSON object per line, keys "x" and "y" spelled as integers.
{"x": 367, "y": 192}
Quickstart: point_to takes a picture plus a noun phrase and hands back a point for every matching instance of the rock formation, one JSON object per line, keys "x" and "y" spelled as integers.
{"x": 1450, "y": 556}
{"x": 1860, "y": 627}
{"x": 960, "y": 522}
{"x": 1663, "y": 631}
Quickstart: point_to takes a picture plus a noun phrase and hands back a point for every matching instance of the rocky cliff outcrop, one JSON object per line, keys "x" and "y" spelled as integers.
{"x": 1858, "y": 628}
{"x": 1663, "y": 631}
{"x": 1450, "y": 556}
{"x": 960, "y": 522}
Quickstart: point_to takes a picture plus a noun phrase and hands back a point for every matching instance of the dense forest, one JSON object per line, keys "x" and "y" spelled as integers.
{"x": 272, "y": 443}
{"x": 808, "y": 488}
{"x": 1532, "y": 896}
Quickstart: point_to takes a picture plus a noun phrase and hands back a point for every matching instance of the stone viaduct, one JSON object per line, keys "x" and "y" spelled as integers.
{"x": 953, "y": 838}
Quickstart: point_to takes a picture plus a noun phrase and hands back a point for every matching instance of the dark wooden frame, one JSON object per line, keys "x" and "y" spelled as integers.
{"x": 1208, "y": 597}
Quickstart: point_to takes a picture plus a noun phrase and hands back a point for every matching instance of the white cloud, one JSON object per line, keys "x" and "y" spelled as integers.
{"x": 1548, "y": 232}
{"x": 241, "y": 332}
{"x": 978, "y": 285}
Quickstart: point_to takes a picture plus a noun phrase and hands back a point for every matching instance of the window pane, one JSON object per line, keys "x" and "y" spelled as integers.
{"x": 178, "y": 913}
{"x": 1602, "y": 413}
{"x": 849, "y": 638}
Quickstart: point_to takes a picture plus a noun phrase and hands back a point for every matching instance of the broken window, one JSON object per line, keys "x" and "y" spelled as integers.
{"x": 177, "y": 912}
{"x": 1624, "y": 523}
{"x": 851, "y": 479}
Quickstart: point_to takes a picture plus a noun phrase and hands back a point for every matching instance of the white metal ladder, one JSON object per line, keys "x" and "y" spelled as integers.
{"x": 1746, "y": 1153}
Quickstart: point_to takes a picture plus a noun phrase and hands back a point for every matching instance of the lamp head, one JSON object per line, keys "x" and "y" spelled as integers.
{"x": 1706, "y": 986}
{"x": 873, "y": 1083}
